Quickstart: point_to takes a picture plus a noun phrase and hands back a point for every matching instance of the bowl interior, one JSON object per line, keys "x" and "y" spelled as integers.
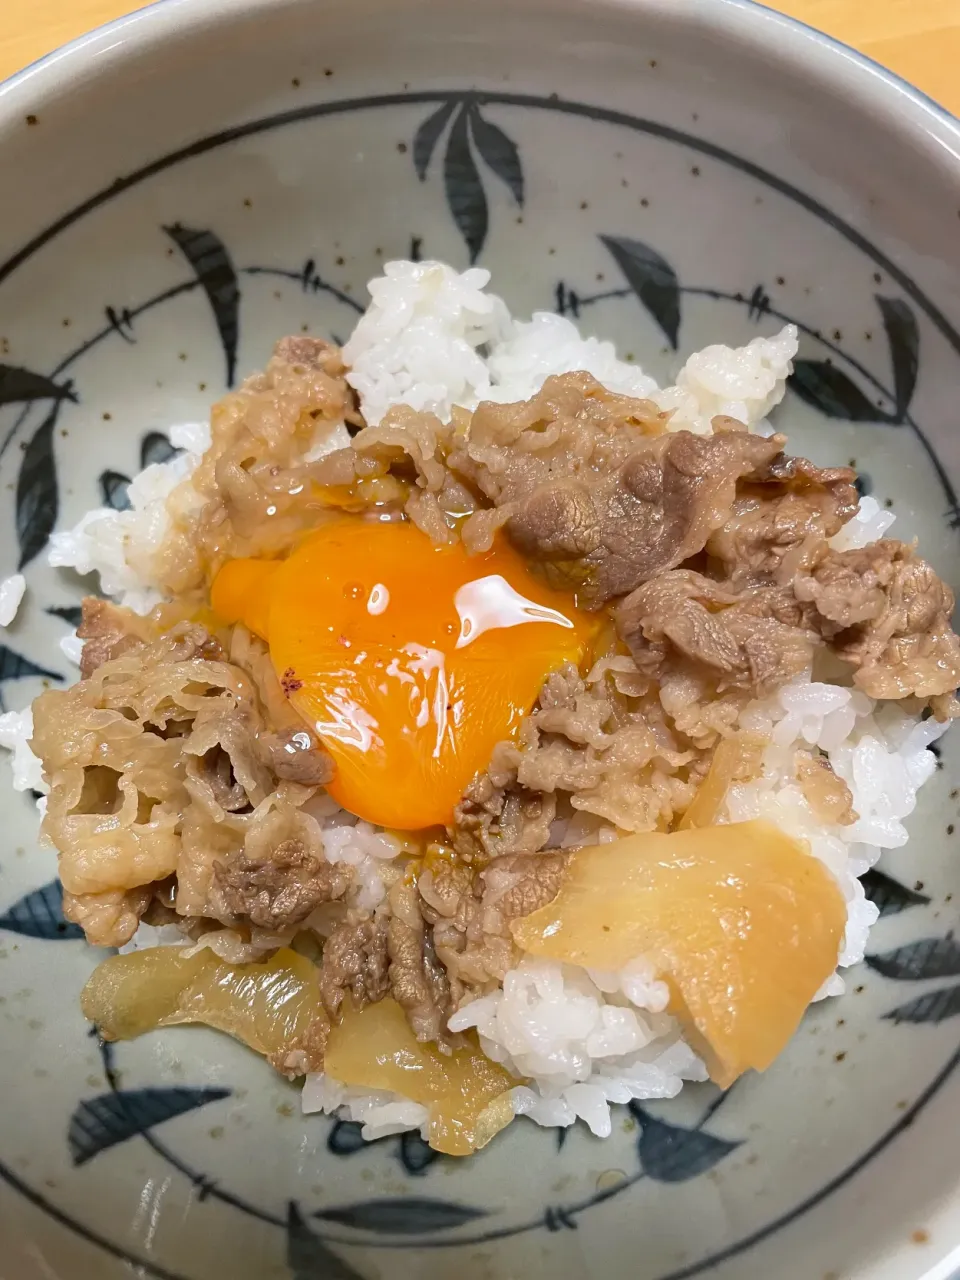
{"x": 205, "y": 178}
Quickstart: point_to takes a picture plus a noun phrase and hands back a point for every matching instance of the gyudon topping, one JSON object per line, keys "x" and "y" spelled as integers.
{"x": 435, "y": 711}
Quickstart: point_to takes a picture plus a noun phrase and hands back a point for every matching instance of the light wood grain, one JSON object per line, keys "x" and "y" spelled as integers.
{"x": 920, "y": 39}
{"x": 31, "y": 28}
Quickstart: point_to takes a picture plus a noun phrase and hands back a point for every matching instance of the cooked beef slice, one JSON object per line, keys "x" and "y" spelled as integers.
{"x": 827, "y": 794}
{"x": 418, "y": 981}
{"x": 355, "y": 962}
{"x": 294, "y": 755}
{"x": 108, "y": 631}
{"x": 886, "y": 612}
{"x": 755, "y": 641}
{"x": 469, "y": 911}
{"x": 592, "y": 486}
{"x": 282, "y": 890}
{"x": 781, "y": 517}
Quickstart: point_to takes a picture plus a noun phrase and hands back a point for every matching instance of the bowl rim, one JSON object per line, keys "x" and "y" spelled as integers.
{"x": 752, "y": 21}
{"x": 754, "y": 24}
{"x": 908, "y": 116}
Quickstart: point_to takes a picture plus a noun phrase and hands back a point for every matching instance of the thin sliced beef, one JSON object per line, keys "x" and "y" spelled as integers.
{"x": 108, "y": 919}
{"x": 278, "y": 892}
{"x": 885, "y": 611}
{"x": 518, "y": 885}
{"x": 657, "y": 511}
{"x": 827, "y": 794}
{"x": 572, "y": 426}
{"x": 302, "y": 351}
{"x": 756, "y": 641}
{"x": 493, "y": 820}
{"x": 470, "y": 911}
{"x": 590, "y": 484}
{"x": 251, "y": 494}
{"x": 418, "y": 981}
{"x": 880, "y": 608}
{"x": 215, "y": 768}
{"x": 592, "y": 752}
{"x": 356, "y": 963}
{"x": 610, "y": 532}
{"x": 401, "y": 464}
{"x": 780, "y": 520}
{"x": 108, "y": 632}
{"x": 294, "y": 755}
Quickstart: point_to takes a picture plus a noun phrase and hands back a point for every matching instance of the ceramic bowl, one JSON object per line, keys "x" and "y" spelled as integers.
{"x": 184, "y": 187}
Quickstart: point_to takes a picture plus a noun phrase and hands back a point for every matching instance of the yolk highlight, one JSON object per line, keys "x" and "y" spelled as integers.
{"x": 411, "y": 661}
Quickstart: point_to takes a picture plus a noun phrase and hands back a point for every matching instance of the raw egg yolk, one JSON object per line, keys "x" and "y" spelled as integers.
{"x": 411, "y": 661}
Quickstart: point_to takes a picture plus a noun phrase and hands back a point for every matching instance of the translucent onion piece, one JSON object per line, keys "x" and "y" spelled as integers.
{"x": 740, "y": 920}
{"x": 273, "y": 1007}
{"x": 465, "y": 1092}
{"x": 735, "y": 759}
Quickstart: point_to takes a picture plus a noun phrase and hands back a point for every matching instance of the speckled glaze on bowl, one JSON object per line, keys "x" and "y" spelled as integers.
{"x": 184, "y": 187}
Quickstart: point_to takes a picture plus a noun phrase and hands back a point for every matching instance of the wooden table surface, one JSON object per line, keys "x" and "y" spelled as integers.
{"x": 918, "y": 38}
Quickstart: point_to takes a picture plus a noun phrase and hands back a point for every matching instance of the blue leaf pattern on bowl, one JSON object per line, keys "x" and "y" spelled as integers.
{"x": 666, "y": 1152}
{"x": 40, "y": 915}
{"x": 406, "y": 1215}
{"x": 102, "y": 1122}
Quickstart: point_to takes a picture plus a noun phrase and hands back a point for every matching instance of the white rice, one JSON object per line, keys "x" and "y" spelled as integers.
{"x": 743, "y": 383}
{"x": 419, "y": 341}
{"x": 380, "y": 1113}
{"x": 550, "y": 344}
{"x": 71, "y": 646}
{"x": 869, "y": 525}
{"x": 16, "y": 730}
{"x": 583, "y": 1039}
{"x": 434, "y": 339}
{"x": 148, "y": 935}
{"x": 877, "y": 749}
{"x": 112, "y": 543}
{"x": 12, "y": 591}
{"x": 349, "y": 841}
